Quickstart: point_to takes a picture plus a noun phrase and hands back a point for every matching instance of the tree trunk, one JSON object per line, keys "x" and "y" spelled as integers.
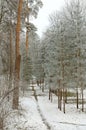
{"x": 59, "y": 96}
{"x": 1, "y": 124}
{"x": 42, "y": 85}
{"x": 10, "y": 64}
{"x": 49, "y": 93}
{"x": 82, "y": 100}
{"x": 66, "y": 96}
{"x": 51, "y": 96}
{"x": 16, "y": 90}
{"x": 11, "y": 55}
{"x": 27, "y": 41}
{"x": 59, "y": 99}
{"x": 63, "y": 100}
{"x": 42, "y": 88}
{"x": 77, "y": 100}
{"x": 27, "y": 28}
{"x": 18, "y": 57}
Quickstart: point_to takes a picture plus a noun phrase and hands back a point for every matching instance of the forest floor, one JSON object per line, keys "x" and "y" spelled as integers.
{"x": 42, "y": 114}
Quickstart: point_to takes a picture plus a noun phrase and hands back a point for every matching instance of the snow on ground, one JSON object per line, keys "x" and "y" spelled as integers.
{"x": 32, "y": 116}
{"x": 44, "y": 115}
{"x": 73, "y": 119}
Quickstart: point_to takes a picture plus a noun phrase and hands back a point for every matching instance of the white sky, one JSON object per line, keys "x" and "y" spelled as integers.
{"x": 49, "y": 6}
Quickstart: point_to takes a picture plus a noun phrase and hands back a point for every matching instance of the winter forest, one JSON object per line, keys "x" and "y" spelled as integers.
{"x": 42, "y": 79}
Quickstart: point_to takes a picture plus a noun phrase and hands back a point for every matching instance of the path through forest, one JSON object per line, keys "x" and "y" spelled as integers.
{"x": 33, "y": 117}
{"x": 41, "y": 114}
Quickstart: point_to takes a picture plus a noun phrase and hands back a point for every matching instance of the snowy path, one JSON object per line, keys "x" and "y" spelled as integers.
{"x": 44, "y": 115}
{"x": 72, "y": 120}
{"x": 43, "y": 118}
{"x": 32, "y": 117}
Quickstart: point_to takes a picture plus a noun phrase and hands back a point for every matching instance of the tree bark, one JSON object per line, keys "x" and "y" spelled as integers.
{"x": 82, "y": 100}
{"x": 77, "y": 100}
{"x": 60, "y": 100}
{"x": 27, "y": 28}
{"x": 66, "y": 96}
{"x": 1, "y": 124}
{"x": 59, "y": 96}
{"x": 49, "y": 93}
{"x": 18, "y": 57}
{"x": 27, "y": 41}
{"x": 16, "y": 90}
{"x": 10, "y": 64}
{"x": 63, "y": 100}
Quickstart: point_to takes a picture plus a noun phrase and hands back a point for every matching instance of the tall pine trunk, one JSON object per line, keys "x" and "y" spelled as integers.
{"x": 18, "y": 58}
